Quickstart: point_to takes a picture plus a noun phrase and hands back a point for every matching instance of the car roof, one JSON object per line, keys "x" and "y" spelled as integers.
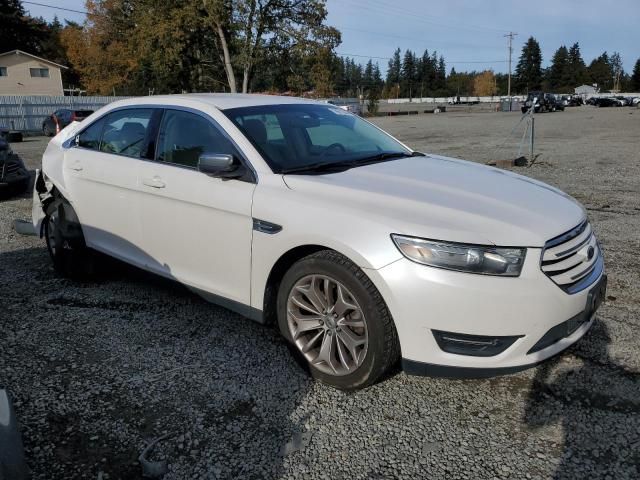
{"x": 221, "y": 101}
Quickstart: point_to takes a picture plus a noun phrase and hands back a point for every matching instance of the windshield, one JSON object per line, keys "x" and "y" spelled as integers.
{"x": 292, "y": 137}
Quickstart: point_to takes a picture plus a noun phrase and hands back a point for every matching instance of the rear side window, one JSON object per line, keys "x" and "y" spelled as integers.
{"x": 82, "y": 113}
{"x": 184, "y": 136}
{"x": 125, "y": 132}
{"x": 90, "y": 138}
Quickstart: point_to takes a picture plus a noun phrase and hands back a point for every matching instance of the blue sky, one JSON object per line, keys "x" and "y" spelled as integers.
{"x": 468, "y": 33}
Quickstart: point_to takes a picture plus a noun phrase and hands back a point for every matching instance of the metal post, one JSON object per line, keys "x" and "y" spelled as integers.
{"x": 532, "y": 135}
{"x": 510, "y": 35}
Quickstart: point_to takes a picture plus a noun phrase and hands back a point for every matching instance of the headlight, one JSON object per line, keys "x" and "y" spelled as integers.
{"x": 480, "y": 259}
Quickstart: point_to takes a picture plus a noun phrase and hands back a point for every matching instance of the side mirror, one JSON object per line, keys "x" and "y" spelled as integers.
{"x": 219, "y": 165}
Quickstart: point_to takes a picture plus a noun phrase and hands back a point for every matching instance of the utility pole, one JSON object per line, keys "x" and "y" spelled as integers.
{"x": 510, "y": 35}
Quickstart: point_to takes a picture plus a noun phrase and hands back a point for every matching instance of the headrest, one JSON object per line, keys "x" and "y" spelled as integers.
{"x": 256, "y": 130}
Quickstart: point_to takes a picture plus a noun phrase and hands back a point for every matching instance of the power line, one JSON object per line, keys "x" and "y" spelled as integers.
{"x": 446, "y": 61}
{"x": 83, "y": 12}
{"x": 404, "y": 37}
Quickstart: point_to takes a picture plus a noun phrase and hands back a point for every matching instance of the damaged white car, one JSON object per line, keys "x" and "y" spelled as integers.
{"x": 363, "y": 251}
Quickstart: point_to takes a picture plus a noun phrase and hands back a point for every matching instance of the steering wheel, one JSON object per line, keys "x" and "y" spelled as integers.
{"x": 334, "y": 146}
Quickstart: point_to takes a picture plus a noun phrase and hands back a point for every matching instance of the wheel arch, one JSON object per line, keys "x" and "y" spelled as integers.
{"x": 278, "y": 270}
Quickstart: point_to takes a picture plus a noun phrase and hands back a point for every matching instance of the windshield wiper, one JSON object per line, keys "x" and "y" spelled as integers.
{"x": 333, "y": 167}
{"x": 320, "y": 167}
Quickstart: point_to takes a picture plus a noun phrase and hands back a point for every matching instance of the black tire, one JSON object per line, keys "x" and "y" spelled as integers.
{"x": 383, "y": 349}
{"x": 46, "y": 130}
{"x": 69, "y": 254}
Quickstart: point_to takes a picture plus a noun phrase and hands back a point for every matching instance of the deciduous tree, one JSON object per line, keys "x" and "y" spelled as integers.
{"x": 484, "y": 84}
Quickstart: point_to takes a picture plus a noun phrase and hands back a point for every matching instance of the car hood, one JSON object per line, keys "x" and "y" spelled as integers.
{"x": 447, "y": 199}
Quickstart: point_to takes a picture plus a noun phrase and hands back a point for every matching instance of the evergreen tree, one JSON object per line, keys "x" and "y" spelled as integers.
{"x": 442, "y": 75}
{"x": 394, "y": 69}
{"x": 377, "y": 78}
{"x": 427, "y": 73}
{"x": 601, "y": 72}
{"x": 635, "y": 77}
{"x": 529, "y": 69}
{"x": 558, "y": 73}
{"x": 367, "y": 77}
{"x": 408, "y": 75}
{"x": 577, "y": 68}
{"x": 19, "y": 31}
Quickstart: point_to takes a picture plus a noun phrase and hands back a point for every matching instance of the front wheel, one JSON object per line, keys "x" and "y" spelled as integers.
{"x": 336, "y": 319}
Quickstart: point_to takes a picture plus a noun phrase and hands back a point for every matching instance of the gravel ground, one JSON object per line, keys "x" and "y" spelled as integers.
{"x": 98, "y": 369}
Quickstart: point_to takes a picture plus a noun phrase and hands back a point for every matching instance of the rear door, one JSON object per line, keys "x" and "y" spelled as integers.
{"x": 196, "y": 228}
{"x": 102, "y": 175}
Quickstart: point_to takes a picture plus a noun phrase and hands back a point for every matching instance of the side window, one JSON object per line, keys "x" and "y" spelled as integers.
{"x": 125, "y": 132}
{"x": 185, "y": 136}
{"x": 64, "y": 116}
{"x": 90, "y": 137}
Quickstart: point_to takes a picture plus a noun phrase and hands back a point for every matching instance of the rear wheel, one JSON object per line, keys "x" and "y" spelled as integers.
{"x": 336, "y": 319}
{"x": 46, "y": 130}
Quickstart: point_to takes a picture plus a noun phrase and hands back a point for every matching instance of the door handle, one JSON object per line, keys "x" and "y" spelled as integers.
{"x": 155, "y": 182}
{"x": 76, "y": 166}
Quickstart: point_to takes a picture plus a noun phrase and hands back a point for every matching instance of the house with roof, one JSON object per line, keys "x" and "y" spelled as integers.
{"x": 22, "y": 73}
{"x": 586, "y": 90}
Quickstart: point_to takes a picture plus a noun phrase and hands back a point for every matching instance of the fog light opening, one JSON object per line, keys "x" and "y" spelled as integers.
{"x": 473, "y": 345}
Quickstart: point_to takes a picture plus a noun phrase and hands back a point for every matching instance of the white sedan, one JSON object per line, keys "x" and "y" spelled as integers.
{"x": 361, "y": 250}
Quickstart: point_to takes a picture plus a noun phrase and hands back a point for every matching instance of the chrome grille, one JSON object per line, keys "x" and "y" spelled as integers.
{"x": 573, "y": 260}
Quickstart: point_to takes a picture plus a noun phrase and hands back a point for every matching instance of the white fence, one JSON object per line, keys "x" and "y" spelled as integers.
{"x": 27, "y": 112}
{"x": 460, "y": 99}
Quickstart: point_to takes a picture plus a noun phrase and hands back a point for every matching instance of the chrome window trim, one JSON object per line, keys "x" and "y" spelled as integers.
{"x": 70, "y": 143}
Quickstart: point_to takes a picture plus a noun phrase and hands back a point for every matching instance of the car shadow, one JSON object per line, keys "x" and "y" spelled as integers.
{"x": 100, "y": 367}
{"x": 594, "y": 404}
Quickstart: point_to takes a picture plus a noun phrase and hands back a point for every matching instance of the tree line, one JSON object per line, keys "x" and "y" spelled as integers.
{"x": 568, "y": 70}
{"x": 133, "y": 47}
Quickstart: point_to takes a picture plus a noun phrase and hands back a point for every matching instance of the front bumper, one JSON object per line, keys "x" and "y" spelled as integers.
{"x": 422, "y": 299}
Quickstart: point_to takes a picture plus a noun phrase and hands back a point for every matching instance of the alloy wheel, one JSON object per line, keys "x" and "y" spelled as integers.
{"x": 327, "y": 325}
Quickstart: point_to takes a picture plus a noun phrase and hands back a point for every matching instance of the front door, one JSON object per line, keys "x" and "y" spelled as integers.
{"x": 198, "y": 229}
{"x": 102, "y": 176}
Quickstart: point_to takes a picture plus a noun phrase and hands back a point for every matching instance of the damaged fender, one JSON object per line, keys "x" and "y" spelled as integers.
{"x": 41, "y": 192}
{"x": 46, "y": 200}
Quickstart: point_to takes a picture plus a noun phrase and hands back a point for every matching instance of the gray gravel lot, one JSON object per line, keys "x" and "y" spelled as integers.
{"x": 99, "y": 368}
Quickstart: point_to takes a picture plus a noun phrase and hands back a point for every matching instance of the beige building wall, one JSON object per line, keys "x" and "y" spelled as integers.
{"x": 19, "y": 80}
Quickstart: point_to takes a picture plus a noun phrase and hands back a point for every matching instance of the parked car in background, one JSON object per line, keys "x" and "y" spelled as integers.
{"x": 14, "y": 177}
{"x": 351, "y": 106}
{"x": 607, "y": 102}
{"x": 539, "y": 101}
{"x": 574, "y": 101}
{"x": 361, "y": 250}
{"x": 555, "y": 102}
{"x": 61, "y": 118}
{"x": 623, "y": 101}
